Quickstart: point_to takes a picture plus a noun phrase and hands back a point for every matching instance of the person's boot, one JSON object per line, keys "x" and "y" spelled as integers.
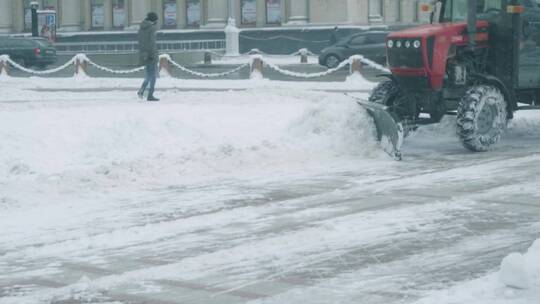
{"x": 140, "y": 95}
{"x": 152, "y": 98}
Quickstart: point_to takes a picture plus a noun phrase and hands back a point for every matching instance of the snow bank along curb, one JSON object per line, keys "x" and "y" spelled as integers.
{"x": 517, "y": 281}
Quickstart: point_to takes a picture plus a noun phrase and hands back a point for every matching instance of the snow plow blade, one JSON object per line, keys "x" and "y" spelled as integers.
{"x": 389, "y": 131}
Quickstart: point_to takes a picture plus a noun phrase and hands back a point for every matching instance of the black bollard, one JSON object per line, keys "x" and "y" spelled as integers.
{"x": 34, "y": 5}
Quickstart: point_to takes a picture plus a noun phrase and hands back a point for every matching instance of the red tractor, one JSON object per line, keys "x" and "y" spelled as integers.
{"x": 477, "y": 59}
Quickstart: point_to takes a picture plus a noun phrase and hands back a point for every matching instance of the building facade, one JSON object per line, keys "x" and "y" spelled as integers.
{"x": 118, "y": 15}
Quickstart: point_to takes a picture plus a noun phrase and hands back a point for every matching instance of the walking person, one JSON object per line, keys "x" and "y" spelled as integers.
{"x": 148, "y": 55}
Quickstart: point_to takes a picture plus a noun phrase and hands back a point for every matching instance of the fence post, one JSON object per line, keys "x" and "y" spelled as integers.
{"x": 4, "y": 66}
{"x": 356, "y": 65}
{"x": 164, "y": 66}
{"x": 232, "y": 40}
{"x": 256, "y": 67}
{"x": 303, "y": 55}
{"x": 80, "y": 66}
{"x": 254, "y": 52}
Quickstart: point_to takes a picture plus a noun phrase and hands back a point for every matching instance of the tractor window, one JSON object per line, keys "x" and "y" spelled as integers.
{"x": 529, "y": 49}
{"x": 532, "y": 3}
{"x": 490, "y": 5}
{"x": 456, "y": 10}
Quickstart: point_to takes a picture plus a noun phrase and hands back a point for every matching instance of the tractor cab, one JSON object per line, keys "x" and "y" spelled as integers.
{"x": 476, "y": 59}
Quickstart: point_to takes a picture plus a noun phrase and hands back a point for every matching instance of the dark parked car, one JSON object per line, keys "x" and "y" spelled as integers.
{"x": 28, "y": 51}
{"x": 369, "y": 44}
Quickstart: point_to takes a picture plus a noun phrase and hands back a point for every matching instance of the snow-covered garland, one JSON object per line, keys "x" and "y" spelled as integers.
{"x": 330, "y": 71}
{"x": 83, "y": 58}
{"x": 5, "y": 58}
{"x": 307, "y": 75}
{"x": 199, "y": 74}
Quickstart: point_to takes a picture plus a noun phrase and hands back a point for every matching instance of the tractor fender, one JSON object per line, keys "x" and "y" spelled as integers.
{"x": 496, "y": 82}
{"x": 389, "y": 76}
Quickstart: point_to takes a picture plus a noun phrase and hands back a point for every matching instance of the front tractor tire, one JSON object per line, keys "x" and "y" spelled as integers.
{"x": 385, "y": 91}
{"x": 481, "y": 117}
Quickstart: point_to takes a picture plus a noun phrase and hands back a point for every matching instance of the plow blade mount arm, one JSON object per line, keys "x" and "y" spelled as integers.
{"x": 390, "y": 132}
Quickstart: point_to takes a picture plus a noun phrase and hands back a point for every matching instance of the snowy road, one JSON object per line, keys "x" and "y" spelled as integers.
{"x": 259, "y": 196}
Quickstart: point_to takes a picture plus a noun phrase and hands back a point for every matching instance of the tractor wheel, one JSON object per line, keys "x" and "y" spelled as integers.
{"x": 481, "y": 117}
{"x": 384, "y": 92}
{"x": 401, "y": 106}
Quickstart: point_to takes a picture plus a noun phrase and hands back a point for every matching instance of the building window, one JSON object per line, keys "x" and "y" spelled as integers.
{"x": 119, "y": 13}
{"x": 249, "y": 11}
{"x": 273, "y": 11}
{"x": 375, "y": 10}
{"x": 169, "y": 14}
{"x": 97, "y": 10}
{"x": 193, "y": 11}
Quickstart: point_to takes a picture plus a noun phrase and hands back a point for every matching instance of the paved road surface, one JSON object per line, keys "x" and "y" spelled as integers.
{"x": 381, "y": 232}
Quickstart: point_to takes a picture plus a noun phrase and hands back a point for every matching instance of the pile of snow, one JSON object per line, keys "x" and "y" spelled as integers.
{"x": 187, "y": 135}
{"x": 517, "y": 281}
{"x": 522, "y": 271}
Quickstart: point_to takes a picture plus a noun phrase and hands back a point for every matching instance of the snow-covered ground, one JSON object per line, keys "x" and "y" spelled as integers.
{"x": 254, "y": 192}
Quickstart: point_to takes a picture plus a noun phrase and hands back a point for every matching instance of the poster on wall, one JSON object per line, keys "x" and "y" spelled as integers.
{"x": 193, "y": 13}
{"x": 273, "y": 11}
{"x": 119, "y": 16}
{"x": 98, "y": 16}
{"x": 249, "y": 11}
{"x": 47, "y": 24}
{"x": 169, "y": 14}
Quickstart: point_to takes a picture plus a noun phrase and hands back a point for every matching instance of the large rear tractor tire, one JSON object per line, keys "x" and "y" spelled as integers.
{"x": 481, "y": 117}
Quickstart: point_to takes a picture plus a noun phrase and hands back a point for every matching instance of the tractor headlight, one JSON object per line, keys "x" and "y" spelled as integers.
{"x": 390, "y": 44}
{"x": 408, "y": 44}
{"x": 417, "y": 44}
{"x": 398, "y": 44}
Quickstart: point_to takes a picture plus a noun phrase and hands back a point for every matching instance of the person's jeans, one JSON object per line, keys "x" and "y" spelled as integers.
{"x": 150, "y": 79}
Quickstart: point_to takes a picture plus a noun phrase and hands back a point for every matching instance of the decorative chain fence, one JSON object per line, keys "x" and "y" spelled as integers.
{"x": 256, "y": 63}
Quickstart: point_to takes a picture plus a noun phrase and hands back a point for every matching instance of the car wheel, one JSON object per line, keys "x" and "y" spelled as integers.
{"x": 332, "y": 61}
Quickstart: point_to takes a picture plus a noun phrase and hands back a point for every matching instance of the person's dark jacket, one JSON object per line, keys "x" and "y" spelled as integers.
{"x": 148, "y": 52}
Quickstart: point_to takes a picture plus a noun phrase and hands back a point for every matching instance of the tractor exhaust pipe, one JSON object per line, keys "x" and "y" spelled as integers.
{"x": 471, "y": 23}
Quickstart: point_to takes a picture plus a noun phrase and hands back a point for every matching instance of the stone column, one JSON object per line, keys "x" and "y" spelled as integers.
{"x": 217, "y": 14}
{"x": 392, "y": 11}
{"x": 107, "y": 9}
{"x": 6, "y": 13}
{"x": 181, "y": 17}
{"x": 157, "y": 7}
{"x": 408, "y": 11}
{"x": 18, "y": 16}
{"x": 86, "y": 15}
{"x": 70, "y": 20}
{"x": 231, "y": 8}
{"x": 298, "y": 12}
{"x": 357, "y": 12}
